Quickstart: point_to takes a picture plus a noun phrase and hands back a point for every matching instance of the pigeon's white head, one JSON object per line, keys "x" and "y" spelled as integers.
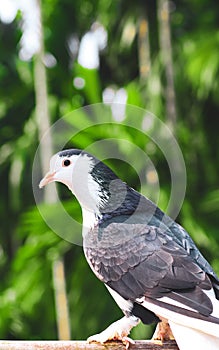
{"x": 97, "y": 188}
{"x": 89, "y": 179}
{"x": 73, "y": 168}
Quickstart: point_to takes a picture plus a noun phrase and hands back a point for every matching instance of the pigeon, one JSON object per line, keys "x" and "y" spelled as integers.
{"x": 148, "y": 262}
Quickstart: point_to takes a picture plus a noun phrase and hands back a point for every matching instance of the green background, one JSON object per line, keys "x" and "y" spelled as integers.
{"x": 28, "y": 247}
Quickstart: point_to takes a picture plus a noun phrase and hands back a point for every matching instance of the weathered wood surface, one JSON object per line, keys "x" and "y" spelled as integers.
{"x": 83, "y": 345}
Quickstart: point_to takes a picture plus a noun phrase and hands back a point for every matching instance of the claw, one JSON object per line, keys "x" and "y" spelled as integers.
{"x": 163, "y": 332}
{"x": 127, "y": 341}
{"x": 118, "y": 330}
{"x": 98, "y": 338}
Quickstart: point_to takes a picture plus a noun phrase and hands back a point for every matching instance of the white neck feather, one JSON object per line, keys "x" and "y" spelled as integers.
{"x": 90, "y": 220}
{"x": 83, "y": 186}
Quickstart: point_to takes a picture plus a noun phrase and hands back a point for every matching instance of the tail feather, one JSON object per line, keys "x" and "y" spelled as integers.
{"x": 190, "y": 338}
{"x": 190, "y": 329}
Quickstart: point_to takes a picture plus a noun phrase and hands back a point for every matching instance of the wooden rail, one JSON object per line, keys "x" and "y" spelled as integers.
{"x": 83, "y": 345}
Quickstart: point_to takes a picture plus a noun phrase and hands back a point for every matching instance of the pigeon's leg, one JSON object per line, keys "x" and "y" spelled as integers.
{"x": 118, "y": 330}
{"x": 163, "y": 331}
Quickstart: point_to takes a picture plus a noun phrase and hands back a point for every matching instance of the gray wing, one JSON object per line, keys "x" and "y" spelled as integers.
{"x": 138, "y": 260}
{"x": 159, "y": 219}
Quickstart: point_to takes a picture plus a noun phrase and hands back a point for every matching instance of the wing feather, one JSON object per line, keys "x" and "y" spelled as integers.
{"x": 139, "y": 260}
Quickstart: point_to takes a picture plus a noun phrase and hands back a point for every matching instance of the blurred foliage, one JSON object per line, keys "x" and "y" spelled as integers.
{"x": 28, "y": 247}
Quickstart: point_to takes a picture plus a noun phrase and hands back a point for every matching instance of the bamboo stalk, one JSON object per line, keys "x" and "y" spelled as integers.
{"x": 50, "y": 196}
{"x": 61, "y": 300}
{"x": 166, "y": 55}
{"x": 144, "y": 48}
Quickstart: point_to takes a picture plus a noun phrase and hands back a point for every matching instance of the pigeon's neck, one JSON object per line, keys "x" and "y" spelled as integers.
{"x": 115, "y": 197}
{"x": 102, "y": 195}
{"x": 121, "y": 201}
{"x": 90, "y": 219}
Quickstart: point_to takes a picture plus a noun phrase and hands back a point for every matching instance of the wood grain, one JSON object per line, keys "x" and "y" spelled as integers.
{"x": 83, "y": 345}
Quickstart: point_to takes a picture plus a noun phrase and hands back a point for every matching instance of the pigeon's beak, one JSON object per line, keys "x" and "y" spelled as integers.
{"x": 49, "y": 177}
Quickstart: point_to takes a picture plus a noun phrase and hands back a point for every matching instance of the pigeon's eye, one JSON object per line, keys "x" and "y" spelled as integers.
{"x": 66, "y": 162}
